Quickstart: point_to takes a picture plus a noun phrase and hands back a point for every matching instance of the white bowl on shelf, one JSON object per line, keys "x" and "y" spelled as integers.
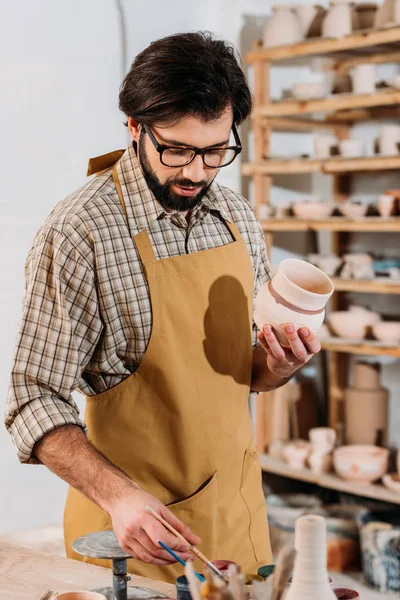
{"x": 312, "y": 210}
{"x": 306, "y": 90}
{"x": 362, "y": 464}
{"x": 353, "y": 210}
{"x": 347, "y": 325}
{"x": 387, "y": 331}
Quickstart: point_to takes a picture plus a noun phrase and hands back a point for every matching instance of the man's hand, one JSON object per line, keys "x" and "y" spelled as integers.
{"x": 138, "y": 532}
{"x": 284, "y": 362}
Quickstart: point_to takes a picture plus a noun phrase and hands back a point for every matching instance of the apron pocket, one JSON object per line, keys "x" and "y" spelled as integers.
{"x": 252, "y": 494}
{"x": 200, "y": 512}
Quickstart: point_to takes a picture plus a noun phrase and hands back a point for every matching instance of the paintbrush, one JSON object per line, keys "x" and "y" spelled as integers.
{"x": 283, "y": 568}
{"x": 192, "y": 549}
{"x": 179, "y": 559}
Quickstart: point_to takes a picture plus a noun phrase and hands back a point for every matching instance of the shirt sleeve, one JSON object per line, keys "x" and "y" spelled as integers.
{"x": 59, "y": 330}
{"x": 262, "y": 273}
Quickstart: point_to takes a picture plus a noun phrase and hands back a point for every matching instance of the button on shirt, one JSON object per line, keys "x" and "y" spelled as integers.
{"x": 86, "y": 318}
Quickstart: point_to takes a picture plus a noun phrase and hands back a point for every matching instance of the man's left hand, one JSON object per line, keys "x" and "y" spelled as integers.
{"x": 284, "y": 362}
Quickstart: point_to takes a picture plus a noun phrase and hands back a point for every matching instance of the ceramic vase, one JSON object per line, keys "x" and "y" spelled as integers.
{"x": 297, "y": 293}
{"x": 364, "y": 79}
{"x": 310, "y": 576}
{"x": 367, "y": 398}
{"x": 389, "y": 137}
{"x": 306, "y": 14}
{"x": 282, "y": 28}
{"x": 386, "y": 205}
{"x": 338, "y": 21}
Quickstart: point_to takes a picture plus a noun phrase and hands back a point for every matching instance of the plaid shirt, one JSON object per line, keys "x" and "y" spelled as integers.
{"x": 86, "y": 317}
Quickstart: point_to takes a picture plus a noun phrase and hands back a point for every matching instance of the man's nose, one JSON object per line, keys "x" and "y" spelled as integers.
{"x": 195, "y": 171}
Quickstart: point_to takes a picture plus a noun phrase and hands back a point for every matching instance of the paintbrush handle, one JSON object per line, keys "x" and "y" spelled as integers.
{"x": 193, "y": 549}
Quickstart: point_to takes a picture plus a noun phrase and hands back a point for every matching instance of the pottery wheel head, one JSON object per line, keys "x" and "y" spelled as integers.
{"x": 101, "y": 544}
{"x": 134, "y": 593}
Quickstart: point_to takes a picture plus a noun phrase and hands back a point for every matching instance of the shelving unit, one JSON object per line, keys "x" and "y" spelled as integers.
{"x": 338, "y": 114}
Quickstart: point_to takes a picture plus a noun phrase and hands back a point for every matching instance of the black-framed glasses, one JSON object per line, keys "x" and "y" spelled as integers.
{"x": 180, "y": 156}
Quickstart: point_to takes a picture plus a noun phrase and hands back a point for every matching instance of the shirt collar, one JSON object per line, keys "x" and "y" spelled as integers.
{"x": 141, "y": 204}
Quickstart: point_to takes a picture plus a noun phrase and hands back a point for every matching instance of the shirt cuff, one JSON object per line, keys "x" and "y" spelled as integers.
{"x": 37, "y": 418}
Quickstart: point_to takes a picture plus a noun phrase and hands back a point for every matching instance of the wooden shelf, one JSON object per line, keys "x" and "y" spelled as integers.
{"x": 377, "y": 224}
{"x": 364, "y": 347}
{"x": 385, "y": 40}
{"x": 294, "y": 107}
{"x": 331, "y": 166}
{"x": 328, "y": 480}
{"x": 365, "y": 286}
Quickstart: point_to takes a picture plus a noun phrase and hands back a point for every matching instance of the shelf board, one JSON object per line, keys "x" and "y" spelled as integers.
{"x": 377, "y": 224}
{"x": 276, "y": 166}
{"x": 328, "y": 480}
{"x": 362, "y": 43}
{"x": 365, "y": 286}
{"x": 364, "y": 347}
{"x": 294, "y": 107}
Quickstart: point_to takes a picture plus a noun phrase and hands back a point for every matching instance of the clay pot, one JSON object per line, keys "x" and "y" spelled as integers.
{"x": 388, "y": 332}
{"x": 386, "y": 205}
{"x": 320, "y": 462}
{"x": 306, "y": 14}
{"x": 323, "y": 145}
{"x": 346, "y": 325}
{"x": 362, "y": 464}
{"x": 364, "y": 79}
{"x": 322, "y": 439}
{"x": 296, "y": 453}
{"x": 389, "y": 136}
{"x": 312, "y": 210}
{"x": 282, "y": 28}
{"x": 351, "y": 148}
{"x": 297, "y": 293}
{"x": 329, "y": 263}
{"x": 353, "y": 210}
{"x": 339, "y": 20}
{"x": 365, "y": 15}
{"x": 387, "y": 13}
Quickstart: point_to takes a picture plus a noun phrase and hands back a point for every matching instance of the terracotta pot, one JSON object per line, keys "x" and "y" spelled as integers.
{"x": 297, "y": 293}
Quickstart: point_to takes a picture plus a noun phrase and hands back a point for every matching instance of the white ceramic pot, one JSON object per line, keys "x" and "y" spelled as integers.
{"x": 322, "y": 439}
{"x": 385, "y": 205}
{"x": 320, "y": 462}
{"x": 329, "y": 264}
{"x": 312, "y": 210}
{"x": 305, "y": 90}
{"x": 351, "y": 148}
{"x": 297, "y": 293}
{"x": 353, "y": 210}
{"x": 338, "y": 21}
{"x": 389, "y": 137}
{"x": 387, "y": 332}
{"x": 364, "y": 79}
{"x": 361, "y": 463}
{"x": 282, "y": 28}
{"x": 306, "y": 14}
{"x": 323, "y": 145}
{"x": 348, "y": 325}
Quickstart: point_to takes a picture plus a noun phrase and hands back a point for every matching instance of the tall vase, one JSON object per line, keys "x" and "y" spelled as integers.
{"x": 367, "y": 398}
{"x": 339, "y": 20}
{"x": 310, "y": 576}
{"x": 282, "y": 27}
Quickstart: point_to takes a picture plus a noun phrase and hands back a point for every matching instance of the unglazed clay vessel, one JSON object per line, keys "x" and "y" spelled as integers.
{"x": 297, "y": 293}
{"x": 364, "y": 79}
{"x": 306, "y": 13}
{"x": 351, "y": 148}
{"x": 323, "y": 145}
{"x": 320, "y": 462}
{"x": 385, "y": 205}
{"x": 367, "y": 398}
{"x": 282, "y": 28}
{"x": 328, "y": 263}
{"x": 387, "y": 332}
{"x": 310, "y": 575}
{"x": 392, "y": 482}
{"x": 295, "y": 453}
{"x": 338, "y": 21}
{"x": 389, "y": 136}
{"x": 312, "y": 210}
{"x": 322, "y": 439}
{"x": 352, "y": 209}
{"x": 362, "y": 464}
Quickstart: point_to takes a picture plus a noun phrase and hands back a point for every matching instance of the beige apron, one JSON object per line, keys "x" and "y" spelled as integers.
{"x": 180, "y": 425}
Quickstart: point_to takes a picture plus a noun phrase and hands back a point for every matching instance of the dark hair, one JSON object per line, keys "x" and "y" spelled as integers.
{"x": 185, "y": 74}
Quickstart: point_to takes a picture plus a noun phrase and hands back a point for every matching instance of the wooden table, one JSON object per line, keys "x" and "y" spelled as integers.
{"x": 25, "y": 574}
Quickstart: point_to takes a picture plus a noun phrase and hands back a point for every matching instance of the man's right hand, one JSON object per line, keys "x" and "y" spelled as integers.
{"x": 138, "y": 532}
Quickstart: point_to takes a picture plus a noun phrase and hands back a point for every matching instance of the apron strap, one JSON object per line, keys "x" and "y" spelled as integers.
{"x": 234, "y": 231}
{"x": 101, "y": 163}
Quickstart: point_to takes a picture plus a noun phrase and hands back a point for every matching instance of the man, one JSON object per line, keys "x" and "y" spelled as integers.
{"x": 139, "y": 293}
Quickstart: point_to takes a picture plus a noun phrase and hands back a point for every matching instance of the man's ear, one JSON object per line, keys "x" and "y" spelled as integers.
{"x": 134, "y": 129}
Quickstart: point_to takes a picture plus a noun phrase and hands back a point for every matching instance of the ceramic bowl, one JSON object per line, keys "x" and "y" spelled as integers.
{"x": 370, "y": 316}
{"x": 392, "y": 482}
{"x": 312, "y": 210}
{"x": 348, "y": 325}
{"x": 305, "y": 90}
{"x": 361, "y": 463}
{"x": 353, "y": 210}
{"x": 295, "y": 453}
{"x": 80, "y": 596}
{"x": 388, "y": 332}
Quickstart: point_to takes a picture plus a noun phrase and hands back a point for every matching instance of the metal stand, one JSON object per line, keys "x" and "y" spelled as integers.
{"x": 103, "y": 544}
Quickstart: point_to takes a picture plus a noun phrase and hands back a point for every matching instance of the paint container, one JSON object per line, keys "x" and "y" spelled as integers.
{"x": 182, "y": 588}
{"x": 265, "y": 571}
{"x": 346, "y": 594}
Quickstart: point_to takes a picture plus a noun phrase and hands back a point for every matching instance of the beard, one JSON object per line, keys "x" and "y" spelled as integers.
{"x": 163, "y": 193}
